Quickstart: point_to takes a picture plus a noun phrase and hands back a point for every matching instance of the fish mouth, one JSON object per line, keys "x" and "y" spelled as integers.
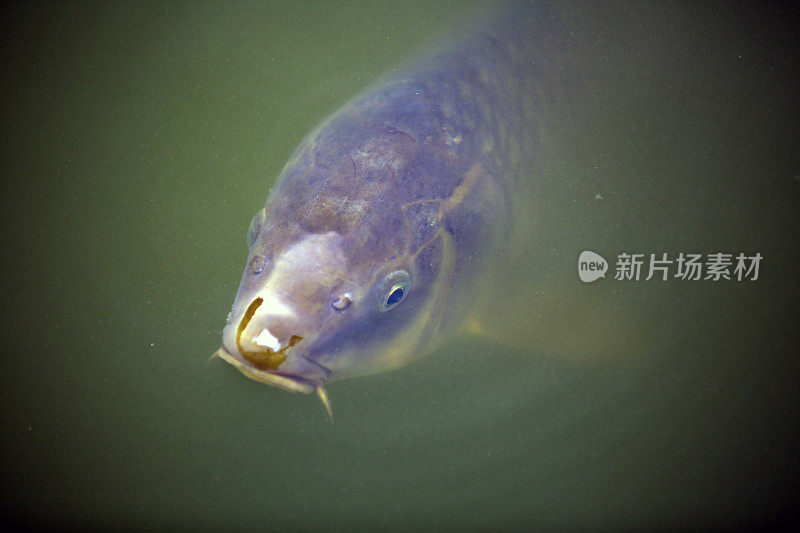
{"x": 286, "y": 382}
{"x": 266, "y": 359}
{"x": 298, "y": 373}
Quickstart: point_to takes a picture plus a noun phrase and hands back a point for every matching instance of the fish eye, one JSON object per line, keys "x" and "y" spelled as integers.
{"x": 394, "y": 289}
{"x": 255, "y": 227}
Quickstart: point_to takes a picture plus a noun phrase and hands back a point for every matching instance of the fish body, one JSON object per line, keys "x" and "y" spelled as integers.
{"x": 381, "y": 230}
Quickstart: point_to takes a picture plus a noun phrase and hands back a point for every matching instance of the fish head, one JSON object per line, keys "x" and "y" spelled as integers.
{"x": 336, "y": 295}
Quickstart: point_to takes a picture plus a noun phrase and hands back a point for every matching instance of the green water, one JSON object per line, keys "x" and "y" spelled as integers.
{"x": 138, "y": 139}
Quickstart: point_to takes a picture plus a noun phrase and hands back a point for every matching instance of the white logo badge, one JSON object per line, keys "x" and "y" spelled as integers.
{"x": 591, "y": 266}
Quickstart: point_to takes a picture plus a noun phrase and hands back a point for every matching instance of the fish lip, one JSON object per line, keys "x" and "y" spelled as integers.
{"x": 283, "y": 381}
{"x": 318, "y": 365}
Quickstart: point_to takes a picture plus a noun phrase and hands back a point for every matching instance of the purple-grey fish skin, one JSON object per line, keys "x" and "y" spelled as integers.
{"x": 376, "y": 238}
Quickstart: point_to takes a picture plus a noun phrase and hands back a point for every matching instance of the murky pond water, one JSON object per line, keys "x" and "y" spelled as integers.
{"x": 138, "y": 140}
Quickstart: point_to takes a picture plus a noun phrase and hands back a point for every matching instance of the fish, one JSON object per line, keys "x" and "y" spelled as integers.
{"x": 390, "y": 219}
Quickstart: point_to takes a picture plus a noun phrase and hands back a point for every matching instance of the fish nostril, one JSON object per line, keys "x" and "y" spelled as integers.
{"x": 257, "y": 265}
{"x": 340, "y": 303}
